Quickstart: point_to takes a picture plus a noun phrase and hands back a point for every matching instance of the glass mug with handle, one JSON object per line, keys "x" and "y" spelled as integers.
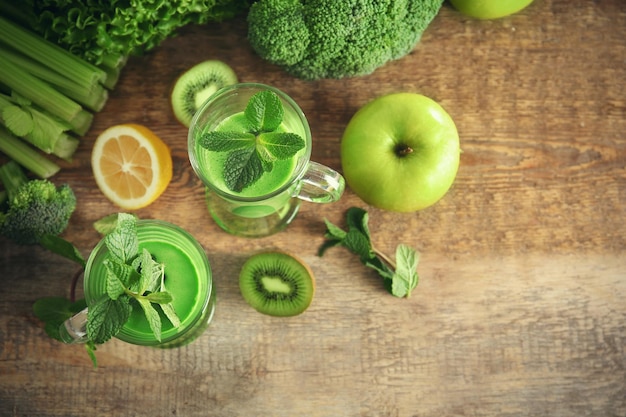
{"x": 235, "y": 135}
{"x": 188, "y": 279}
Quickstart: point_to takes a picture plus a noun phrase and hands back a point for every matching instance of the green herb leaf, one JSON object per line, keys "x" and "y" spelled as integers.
{"x": 405, "y": 278}
{"x": 122, "y": 242}
{"x": 53, "y": 311}
{"x": 226, "y": 141}
{"x": 281, "y": 145}
{"x": 264, "y": 111}
{"x": 242, "y": 168}
{"x": 161, "y": 297}
{"x": 62, "y": 247}
{"x": 107, "y": 224}
{"x": 168, "y": 309}
{"x": 17, "y": 120}
{"x": 91, "y": 351}
{"x": 107, "y": 317}
{"x": 118, "y": 278}
{"x": 152, "y": 315}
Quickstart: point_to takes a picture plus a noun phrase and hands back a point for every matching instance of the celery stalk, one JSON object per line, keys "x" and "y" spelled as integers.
{"x": 36, "y": 127}
{"x": 50, "y": 54}
{"x": 94, "y": 96}
{"x": 25, "y": 155}
{"x": 44, "y": 95}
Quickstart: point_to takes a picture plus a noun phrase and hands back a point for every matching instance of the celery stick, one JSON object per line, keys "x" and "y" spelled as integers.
{"x": 36, "y": 127}
{"x": 26, "y": 156}
{"x": 94, "y": 97}
{"x": 50, "y": 54}
{"x": 82, "y": 122}
{"x": 42, "y": 94}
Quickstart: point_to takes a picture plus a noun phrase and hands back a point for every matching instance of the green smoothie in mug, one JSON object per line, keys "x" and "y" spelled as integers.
{"x": 187, "y": 278}
{"x": 250, "y": 144}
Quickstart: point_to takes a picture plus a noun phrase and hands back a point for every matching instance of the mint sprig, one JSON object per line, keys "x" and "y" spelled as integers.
{"x": 132, "y": 275}
{"x": 253, "y": 152}
{"x": 400, "y": 276}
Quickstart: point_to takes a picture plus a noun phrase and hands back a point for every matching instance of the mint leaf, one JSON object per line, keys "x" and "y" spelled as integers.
{"x": 281, "y": 145}
{"x": 62, "y": 247}
{"x": 107, "y": 224}
{"x": 161, "y": 297}
{"x": 118, "y": 278}
{"x": 358, "y": 219}
{"x": 91, "y": 351}
{"x": 359, "y": 244}
{"x": 122, "y": 242}
{"x": 405, "y": 278}
{"x": 53, "y": 311}
{"x": 242, "y": 168}
{"x": 154, "y": 320}
{"x": 168, "y": 309}
{"x": 264, "y": 111}
{"x": 107, "y": 317}
{"x": 226, "y": 141}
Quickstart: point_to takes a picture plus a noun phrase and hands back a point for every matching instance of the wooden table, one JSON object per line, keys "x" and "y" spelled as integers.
{"x": 520, "y": 309}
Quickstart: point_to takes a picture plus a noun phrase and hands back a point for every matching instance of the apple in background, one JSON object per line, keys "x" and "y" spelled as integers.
{"x": 400, "y": 152}
{"x": 489, "y": 9}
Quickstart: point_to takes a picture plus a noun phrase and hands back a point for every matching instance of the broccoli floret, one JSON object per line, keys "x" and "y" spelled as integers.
{"x": 314, "y": 39}
{"x": 35, "y": 208}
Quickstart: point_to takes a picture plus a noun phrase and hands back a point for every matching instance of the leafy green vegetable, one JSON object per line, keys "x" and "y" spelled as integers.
{"x": 400, "y": 277}
{"x": 314, "y": 39}
{"x": 36, "y": 127}
{"x": 104, "y": 32}
{"x": 253, "y": 152}
{"x": 20, "y": 152}
{"x": 53, "y": 311}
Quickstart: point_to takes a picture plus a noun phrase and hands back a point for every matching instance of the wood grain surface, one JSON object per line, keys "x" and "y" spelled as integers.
{"x": 520, "y": 307}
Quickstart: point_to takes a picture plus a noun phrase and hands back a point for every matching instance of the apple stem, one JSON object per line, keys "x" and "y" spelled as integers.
{"x": 403, "y": 150}
{"x": 385, "y": 258}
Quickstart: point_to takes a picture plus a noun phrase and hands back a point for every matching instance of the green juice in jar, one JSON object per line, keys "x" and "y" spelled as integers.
{"x": 187, "y": 277}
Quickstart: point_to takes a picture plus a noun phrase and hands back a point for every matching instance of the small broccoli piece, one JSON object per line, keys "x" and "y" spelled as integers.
{"x": 314, "y": 39}
{"x": 35, "y": 208}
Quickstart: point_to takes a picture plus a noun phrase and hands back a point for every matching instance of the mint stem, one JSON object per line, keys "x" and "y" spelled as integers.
{"x": 385, "y": 258}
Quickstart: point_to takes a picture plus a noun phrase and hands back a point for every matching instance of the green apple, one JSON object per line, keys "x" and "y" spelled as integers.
{"x": 489, "y": 9}
{"x": 400, "y": 152}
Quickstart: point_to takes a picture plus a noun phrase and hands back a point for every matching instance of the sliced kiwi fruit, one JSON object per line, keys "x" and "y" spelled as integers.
{"x": 277, "y": 284}
{"x": 196, "y": 85}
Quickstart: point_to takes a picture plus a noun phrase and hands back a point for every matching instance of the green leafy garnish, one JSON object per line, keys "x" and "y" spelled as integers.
{"x": 400, "y": 277}
{"x": 132, "y": 275}
{"x": 53, "y": 311}
{"x": 253, "y": 152}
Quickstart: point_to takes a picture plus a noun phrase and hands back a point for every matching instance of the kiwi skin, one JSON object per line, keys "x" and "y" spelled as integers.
{"x": 196, "y": 85}
{"x": 277, "y": 283}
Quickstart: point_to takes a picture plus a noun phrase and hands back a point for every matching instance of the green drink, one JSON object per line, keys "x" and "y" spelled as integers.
{"x": 270, "y": 202}
{"x": 187, "y": 278}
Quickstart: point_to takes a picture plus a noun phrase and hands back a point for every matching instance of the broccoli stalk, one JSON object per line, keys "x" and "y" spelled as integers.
{"x": 316, "y": 39}
{"x": 35, "y": 208}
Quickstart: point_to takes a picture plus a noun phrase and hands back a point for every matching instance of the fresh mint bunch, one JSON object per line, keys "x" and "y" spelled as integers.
{"x": 400, "y": 277}
{"x": 132, "y": 275}
{"x": 253, "y": 152}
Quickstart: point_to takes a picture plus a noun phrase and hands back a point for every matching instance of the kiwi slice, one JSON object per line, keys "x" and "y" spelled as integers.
{"x": 277, "y": 284}
{"x": 196, "y": 85}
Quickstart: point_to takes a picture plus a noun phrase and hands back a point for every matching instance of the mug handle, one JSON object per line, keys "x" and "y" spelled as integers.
{"x": 74, "y": 329}
{"x": 321, "y": 184}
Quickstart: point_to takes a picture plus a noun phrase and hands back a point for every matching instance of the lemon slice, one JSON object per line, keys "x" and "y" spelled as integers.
{"x": 131, "y": 165}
